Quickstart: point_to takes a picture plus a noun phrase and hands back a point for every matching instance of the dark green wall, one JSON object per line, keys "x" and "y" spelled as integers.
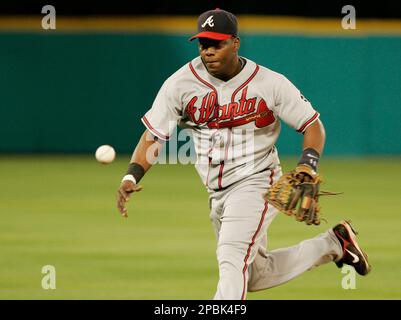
{"x": 73, "y": 92}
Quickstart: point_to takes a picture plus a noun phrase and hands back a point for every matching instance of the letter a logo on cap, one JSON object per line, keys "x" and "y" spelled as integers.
{"x": 208, "y": 21}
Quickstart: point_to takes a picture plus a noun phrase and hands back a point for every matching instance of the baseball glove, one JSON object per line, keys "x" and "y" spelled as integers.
{"x": 296, "y": 194}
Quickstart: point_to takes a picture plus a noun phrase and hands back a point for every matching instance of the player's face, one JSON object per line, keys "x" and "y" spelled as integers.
{"x": 219, "y": 57}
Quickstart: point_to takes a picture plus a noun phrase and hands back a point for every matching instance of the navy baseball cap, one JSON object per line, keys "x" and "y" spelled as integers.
{"x": 217, "y": 25}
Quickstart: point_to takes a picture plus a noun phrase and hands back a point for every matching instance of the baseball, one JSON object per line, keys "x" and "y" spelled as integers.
{"x": 105, "y": 154}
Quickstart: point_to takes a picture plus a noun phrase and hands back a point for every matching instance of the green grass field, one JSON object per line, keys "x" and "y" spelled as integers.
{"x": 60, "y": 211}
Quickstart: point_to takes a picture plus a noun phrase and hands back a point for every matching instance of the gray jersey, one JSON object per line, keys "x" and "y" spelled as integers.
{"x": 234, "y": 123}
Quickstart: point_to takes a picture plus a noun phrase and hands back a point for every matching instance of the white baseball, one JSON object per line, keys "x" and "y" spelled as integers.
{"x": 105, "y": 154}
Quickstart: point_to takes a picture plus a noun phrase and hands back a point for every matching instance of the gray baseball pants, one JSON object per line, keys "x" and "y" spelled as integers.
{"x": 240, "y": 218}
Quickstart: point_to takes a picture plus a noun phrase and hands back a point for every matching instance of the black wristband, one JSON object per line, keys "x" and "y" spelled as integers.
{"x": 310, "y": 157}
{"x": 136, "y": 170}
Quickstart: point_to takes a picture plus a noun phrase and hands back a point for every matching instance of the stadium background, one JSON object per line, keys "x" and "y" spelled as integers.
{"x": 66, "y": 91}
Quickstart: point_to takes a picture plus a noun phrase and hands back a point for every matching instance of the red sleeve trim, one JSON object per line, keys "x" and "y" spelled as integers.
{"x": 307, "y": 123}
{"x": 153, "y": 130}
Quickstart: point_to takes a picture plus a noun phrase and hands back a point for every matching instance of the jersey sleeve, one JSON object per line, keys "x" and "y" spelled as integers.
{"x": 162, "y": 118}
{"x": 292, "y": 107}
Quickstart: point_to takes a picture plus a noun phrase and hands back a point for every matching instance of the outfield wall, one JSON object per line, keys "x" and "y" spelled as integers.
{"x": 72, "y": 91}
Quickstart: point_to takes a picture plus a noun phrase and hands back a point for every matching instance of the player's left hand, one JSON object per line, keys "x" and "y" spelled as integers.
{"x": 123, "y": 195}
{"x": 296, "y": 193}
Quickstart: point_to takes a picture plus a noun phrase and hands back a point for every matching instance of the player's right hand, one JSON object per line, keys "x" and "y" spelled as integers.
{"x": 123, "y": 195}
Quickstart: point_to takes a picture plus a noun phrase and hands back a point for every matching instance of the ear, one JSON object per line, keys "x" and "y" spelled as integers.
{"x": 236, "y": 43}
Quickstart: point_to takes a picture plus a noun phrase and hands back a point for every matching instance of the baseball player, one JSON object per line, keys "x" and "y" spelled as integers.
{"x": 233, "y": 107}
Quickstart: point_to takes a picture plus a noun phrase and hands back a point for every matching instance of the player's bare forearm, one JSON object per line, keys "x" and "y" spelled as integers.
{"x": 315, "y": 137}
{"x": 144, "y": 155}
{"x": 146, "y": 151}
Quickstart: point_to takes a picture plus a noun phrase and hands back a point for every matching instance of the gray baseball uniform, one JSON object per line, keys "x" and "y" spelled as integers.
{"x": 235, "y": 125}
